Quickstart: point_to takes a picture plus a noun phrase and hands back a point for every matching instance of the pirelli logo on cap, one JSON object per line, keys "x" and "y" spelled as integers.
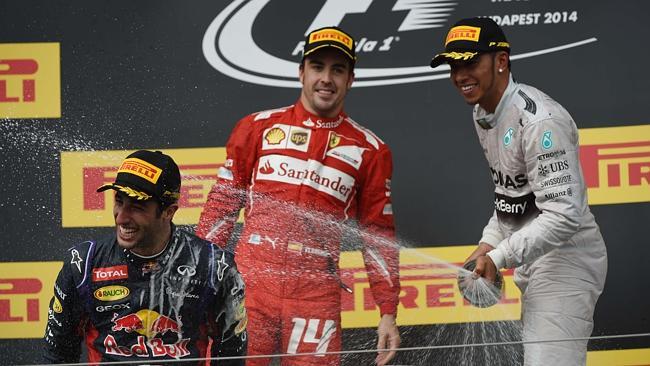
{"x": 463, "y": 33}
{"x": 141, "y": 168}
{"x": 331, "y": 35}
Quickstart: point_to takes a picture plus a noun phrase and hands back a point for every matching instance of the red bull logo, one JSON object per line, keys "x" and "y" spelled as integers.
{"x": 149, "y": 324}
{"x": 146, "y": 322}
{"x": 144, "y": 348}
{"x": 128, "y": 323}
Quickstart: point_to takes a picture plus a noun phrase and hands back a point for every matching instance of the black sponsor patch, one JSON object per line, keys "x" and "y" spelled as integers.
{"x": 515, "y": 210}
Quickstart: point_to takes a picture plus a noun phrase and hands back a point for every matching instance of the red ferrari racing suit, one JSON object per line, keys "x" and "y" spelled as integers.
{"x": 305, "y": 182}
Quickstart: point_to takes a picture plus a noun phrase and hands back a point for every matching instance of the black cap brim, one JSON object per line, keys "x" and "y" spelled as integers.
{"x": 133, "y": 193}
{"x": 445, "y": 57}
{"x": 328, "y": 45}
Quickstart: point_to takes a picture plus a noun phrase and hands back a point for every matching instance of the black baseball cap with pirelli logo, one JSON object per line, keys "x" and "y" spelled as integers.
{"x": 470, "y": 37}
{"x": 330, "y": 37}
{"x": 148, "y": 174}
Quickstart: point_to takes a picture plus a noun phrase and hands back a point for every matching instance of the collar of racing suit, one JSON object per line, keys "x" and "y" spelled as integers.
{"x": 314, "y": 121}
{"x": 155, "y": 262}
{"x": 489, "y": 120}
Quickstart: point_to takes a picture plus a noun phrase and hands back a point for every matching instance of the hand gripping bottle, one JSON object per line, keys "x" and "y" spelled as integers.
{"x": 477, "y": 290}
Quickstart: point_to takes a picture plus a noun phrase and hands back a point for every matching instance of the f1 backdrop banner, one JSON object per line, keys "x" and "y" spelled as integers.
{"x": 83, "y": 83}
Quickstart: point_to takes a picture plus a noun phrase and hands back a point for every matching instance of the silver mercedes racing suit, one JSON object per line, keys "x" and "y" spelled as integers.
{"x": 542, "y": 225}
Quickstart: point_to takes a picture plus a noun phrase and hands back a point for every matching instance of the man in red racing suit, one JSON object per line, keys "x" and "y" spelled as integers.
{"x": 307, "y": 175}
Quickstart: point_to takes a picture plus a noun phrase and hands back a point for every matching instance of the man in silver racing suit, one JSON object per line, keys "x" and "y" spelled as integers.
{"x": 541, "y": 224}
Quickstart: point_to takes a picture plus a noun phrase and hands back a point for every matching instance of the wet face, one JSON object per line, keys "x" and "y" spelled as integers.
{"x": 326, "y": 77}
{"x": 479, "y": 80}
{"x": 140, "y": 225}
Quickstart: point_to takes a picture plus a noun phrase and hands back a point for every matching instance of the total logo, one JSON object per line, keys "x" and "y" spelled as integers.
{"x": 385, "y": 31}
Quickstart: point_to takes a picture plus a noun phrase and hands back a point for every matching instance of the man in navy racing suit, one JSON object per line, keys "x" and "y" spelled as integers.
{"x": 541, "y": 225}
{"x": 149, "y": 291}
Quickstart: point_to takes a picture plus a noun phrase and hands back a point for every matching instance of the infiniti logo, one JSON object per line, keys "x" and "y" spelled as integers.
{"x": 229, "y": 46}
{"x": 186, "y": 270}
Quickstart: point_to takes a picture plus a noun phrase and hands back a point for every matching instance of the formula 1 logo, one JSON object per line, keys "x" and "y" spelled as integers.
{"x": 400, "y": 42}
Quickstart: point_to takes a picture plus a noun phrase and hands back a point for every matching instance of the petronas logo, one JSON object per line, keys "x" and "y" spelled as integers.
{"x": 547, "y": 143}
{"x": 507, "y": 138}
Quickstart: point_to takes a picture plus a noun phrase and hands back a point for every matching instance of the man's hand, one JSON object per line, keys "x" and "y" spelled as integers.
{"x": 485, "y": 268}
{"x": 481, "y": 250}
{"x": 389, "y": 338}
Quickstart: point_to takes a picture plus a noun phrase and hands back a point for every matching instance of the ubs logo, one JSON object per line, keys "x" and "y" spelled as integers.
{"x": 271, "y": 56}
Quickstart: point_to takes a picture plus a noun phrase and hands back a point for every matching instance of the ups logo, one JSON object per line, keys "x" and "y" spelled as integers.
{"x": 299, "y": 138}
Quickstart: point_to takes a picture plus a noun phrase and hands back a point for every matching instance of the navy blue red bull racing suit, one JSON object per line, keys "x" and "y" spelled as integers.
{"x": 130, "y": 308}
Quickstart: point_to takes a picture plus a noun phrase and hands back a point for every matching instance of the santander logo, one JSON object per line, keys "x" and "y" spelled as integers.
{"x": 230, "y": 46}
{"x": 267, "y": 168}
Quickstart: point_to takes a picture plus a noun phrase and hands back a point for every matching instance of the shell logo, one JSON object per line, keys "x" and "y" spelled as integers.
{"x": 275, "y": 136}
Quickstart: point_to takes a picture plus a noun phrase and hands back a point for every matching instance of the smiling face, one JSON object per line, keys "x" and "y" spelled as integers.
{"x": 479, "y": 80}
{"x": 140, "y": 226}
{"x": 326, "y": 76}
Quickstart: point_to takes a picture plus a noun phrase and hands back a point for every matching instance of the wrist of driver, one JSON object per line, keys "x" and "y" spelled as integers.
{"x": 498, "y": 257}
{"x": 388, "y": 309}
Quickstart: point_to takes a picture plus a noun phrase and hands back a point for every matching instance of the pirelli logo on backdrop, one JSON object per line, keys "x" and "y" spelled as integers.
{"x": 25, "y": 292}
{"x": 30, "y": 80}
{"x": 429, "y": 293}
{"x": 429, "y": 296}
{"x": 616, "y": 164}
{"x": 82, "y": 172}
